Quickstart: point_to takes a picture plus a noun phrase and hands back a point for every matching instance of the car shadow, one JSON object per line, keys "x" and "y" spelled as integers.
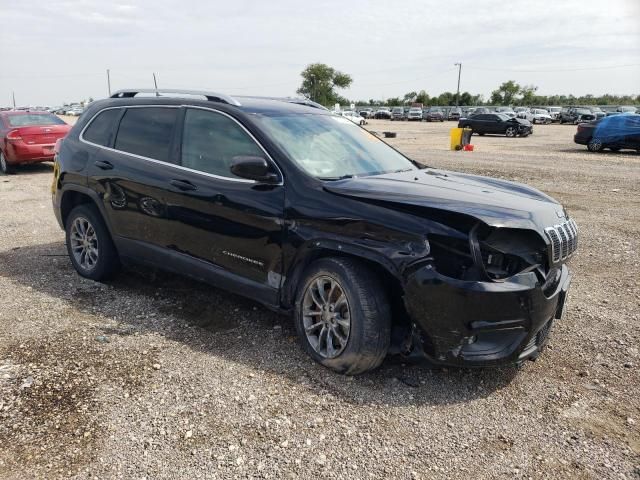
{"x": 627, "y": 152}
{"x": 211, "y": 321}
{"x": 31, "y": 168}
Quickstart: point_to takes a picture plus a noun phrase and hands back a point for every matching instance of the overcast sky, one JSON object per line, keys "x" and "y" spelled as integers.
{"x": 58, "y": 51}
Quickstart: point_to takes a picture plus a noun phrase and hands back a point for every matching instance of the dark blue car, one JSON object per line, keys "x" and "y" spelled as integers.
{"x": 613, "y": 132}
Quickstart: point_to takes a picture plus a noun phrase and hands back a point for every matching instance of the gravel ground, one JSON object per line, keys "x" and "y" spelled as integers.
{"x": 156, "y": 376}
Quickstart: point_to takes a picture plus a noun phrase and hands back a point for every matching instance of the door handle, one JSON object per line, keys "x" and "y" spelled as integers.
{"x": 183, "y": 184}
{"x": 103, "y": 165}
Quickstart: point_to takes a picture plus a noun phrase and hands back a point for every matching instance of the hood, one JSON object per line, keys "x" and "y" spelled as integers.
{"x": 522, "y": 121}
{"x": 498, "y": 203}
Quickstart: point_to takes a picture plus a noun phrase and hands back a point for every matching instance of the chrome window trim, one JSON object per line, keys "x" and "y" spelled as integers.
{"x": 180, "y": 167}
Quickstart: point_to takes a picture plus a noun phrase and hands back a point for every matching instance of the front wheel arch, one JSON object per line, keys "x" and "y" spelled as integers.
{"x": 384, "y": 269}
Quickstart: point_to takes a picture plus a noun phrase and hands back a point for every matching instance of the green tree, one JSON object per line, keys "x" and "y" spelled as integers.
{"x": 505, "y": 94}
{"x": 320, "y": 82}
{"x": 528, "y": 95}
{"x": 422, "y": 97}
{"x": 410, "y": 97}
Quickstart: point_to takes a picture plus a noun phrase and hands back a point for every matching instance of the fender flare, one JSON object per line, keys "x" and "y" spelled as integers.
{"x": 89, "y": 193}
{"x": 319, "y": 248}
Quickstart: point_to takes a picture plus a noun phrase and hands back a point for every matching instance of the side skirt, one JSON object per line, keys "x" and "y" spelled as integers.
{"x": 135, "y": 251}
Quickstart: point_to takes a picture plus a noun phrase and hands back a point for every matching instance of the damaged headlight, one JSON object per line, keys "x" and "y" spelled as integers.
{"x": 501, "y": 253}
{"x": 489, "y": 254}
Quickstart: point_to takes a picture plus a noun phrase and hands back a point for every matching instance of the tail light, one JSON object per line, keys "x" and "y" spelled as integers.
{"x": 14, "y": 136}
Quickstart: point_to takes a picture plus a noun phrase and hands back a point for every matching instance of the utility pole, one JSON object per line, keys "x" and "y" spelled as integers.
{"x": 155, "y": 82}
{"x": 459, "y": 65}
{"x": 108, "y": 82}
{"x": 13, "y": 94}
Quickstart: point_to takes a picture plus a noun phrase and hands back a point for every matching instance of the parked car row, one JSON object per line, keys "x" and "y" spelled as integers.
{"x": 537, "y": 114}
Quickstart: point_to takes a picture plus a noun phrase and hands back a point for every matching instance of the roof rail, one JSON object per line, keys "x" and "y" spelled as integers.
{"x": 211, "y": 96}
{"x": 296, "y": 100}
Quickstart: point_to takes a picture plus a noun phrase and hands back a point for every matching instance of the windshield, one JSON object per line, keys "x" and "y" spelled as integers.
{"x": 398, "y": 109}
{"x": 330, "y": 147}
{"x": 33, "y": 119}
{"x": 503, "y": 116}
{"x": 583, "y": 111}
{"x": 555, "y": 109}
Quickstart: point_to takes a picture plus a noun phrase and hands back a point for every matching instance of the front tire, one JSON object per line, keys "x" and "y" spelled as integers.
{"x": 89, "y": 244}
{"x": 342, "y": 316}
{"x": 511, "y": 132}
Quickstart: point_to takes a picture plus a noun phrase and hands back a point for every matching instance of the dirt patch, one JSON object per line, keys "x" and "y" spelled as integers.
{"x": 50, "y": 417}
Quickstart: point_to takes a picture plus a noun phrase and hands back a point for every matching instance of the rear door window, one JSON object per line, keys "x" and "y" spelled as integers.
{"x": 147, "y": 131}
{"x": 102, "y": 129}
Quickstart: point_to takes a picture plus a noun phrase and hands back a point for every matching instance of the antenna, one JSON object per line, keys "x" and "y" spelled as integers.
{"x": 155, "y": 82}
{"x": 109, "y": 82}
{"x": 13, "y": 94}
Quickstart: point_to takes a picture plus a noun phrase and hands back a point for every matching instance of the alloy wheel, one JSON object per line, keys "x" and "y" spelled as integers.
{"x": 326, "y": 316}
{"x": 3, "y": 164}
{"x": 84, "y": 243}
{"x": 511, "y": 132}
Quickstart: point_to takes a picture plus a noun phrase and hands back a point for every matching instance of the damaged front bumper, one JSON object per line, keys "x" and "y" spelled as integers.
{"x": 473, "y": 323}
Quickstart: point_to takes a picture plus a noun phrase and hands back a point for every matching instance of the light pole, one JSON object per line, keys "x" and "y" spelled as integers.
{"x": 459, "y": 65}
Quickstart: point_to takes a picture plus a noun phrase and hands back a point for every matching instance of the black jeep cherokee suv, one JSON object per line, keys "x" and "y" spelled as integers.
{"x": 310, "y": 214}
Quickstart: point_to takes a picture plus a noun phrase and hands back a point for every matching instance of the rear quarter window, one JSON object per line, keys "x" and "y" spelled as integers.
{"x": 147, "y": 131}
{"x": 102, "y": 128}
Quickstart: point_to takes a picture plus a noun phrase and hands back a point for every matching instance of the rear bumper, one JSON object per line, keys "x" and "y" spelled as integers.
{"x": 468, "y": 323}
{"x": 17, "y": 153}
{"x": 582, "y": 139}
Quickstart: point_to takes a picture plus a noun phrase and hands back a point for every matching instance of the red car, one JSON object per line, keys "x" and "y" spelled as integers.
{"x": 28, "y": 137}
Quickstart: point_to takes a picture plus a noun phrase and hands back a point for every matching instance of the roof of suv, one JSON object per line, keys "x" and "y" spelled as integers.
{"x": 248, "y": 104}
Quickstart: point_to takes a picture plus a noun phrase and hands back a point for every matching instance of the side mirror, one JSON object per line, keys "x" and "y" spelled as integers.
{"x": 253, "y": 168}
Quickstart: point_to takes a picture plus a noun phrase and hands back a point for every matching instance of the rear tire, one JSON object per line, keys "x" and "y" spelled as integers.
{"x": 595, "y": 145}
{"x": 342, "y": 316}
{"x": 5, "y": 168}
{"x": 89, "y": 244}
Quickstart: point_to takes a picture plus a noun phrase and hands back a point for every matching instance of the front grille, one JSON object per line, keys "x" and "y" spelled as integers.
{"x": 564, "y": 240}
